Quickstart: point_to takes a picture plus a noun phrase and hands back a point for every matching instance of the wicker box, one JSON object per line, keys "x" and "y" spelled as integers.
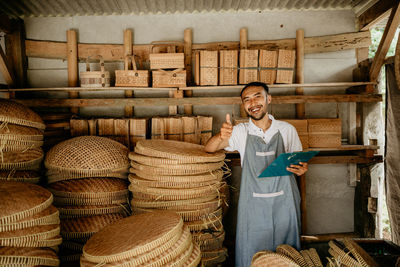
{"x": 324, "y": 132}
{"x": 137, "y": 130}
{"x": 116, "y": 129}
{"x": 127, "y": 77}
{"x": 167, "y": 61}
{"x": 268, "y": 63}
{"x": 90, "y": 78}
{"x": 302, "y": 130}
{"x": 248, "y": 66}
{"x": 172, "y": 78}
{"x": 208, "y": 67}
{"x": 286, "y": 61}
{"x": 228, "y": 61}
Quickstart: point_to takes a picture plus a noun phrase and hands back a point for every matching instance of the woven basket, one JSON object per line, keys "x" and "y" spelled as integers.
{"x": 343, "y": 256}
{"x": 179, "y": 205}
{"x": 20, "y": 176}
{"x": 211, "y": 223}
{"x": 315, "y": 257}
{"x": 213, "y": 176}
{"x": 46, "y": 217}
{"x": 126, "y": 77}
{"x": 167, "y": 194}
{"x": 292, "y": 253}
{"x": 57, "y": 176}
{"x": 209, "y": 241}
{"x": 87, "y": 156}
{"x": 136, "y": 180}
{"x": 187, "y": 169}
{"x": 16, "y": 113}
{"x": 269, "y": 258}
{"x": 146, "y": 232}
{"x": 360, "y": 254}
{"x": 194, "y": 258}
{"x": 22, "y": 200}
{"x": 72, "y": 201}
{"x": 18, "y": 145}
{"x": 90, "y": 78}
{"x": 83, "y": 228}
{"x": 11, "y": 256}
{"x": 84, "y": 211}
{"x": 184, "y": 152}
{"x": 29, "y": 160}
{"x": 219, "y": 256}
{"x": 27, "y": 237}
{"x": 10, "y": 131}
{"x": 307, "y": 257}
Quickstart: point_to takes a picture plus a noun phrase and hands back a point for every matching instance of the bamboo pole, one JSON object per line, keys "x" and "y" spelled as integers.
{"x": 72, "y": 57}
{"x": 300, "y": 108}
{"x": 188, "y": 40}
{"x": 243, "y": 45}
{"x": 128, "y": 42}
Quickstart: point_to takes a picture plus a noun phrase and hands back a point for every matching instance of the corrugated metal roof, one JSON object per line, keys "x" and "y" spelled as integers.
{"x": 36, "y": 8}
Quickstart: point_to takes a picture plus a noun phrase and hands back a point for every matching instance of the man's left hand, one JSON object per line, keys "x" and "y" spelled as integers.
{"x": 300, "y": 169}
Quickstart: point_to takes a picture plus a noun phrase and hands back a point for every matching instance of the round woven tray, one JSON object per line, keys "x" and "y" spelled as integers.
{"x": 179, "y": 169}
{"x": 271, "y": 259}
{"x": 146, "y": 232}
{"x": 21, "y": 200}
{"x": 360, "y": 254}
{"x": 292, "y": 253}
{"x": 56, "y": 176}
{"x": 7, "y": 145}
{"x": 90, "y": 188}
{"x": 83, "y": 228}
{"x": 307, "y": 258}
{"x": 65, "y": 201}
{"x": 16, "y": 113}
{"x": 211, "y": 223}
{"x": 179, "y": 205}
{"x": 46, "y": 217}
{"x": 343, "y": 256}
{"x": 182, "y": 151}
{"x": 84, "y": 211}
{"x": 213, "y": 176}
{"x": 27, "y": 237}
{"x": 11, "y": 256}
{"x": 29, "y": 160}
{"x": 215, "y": 240}
{"x": 20, "y": 176}
{"x": 16, "y": 132}
{"x": 136, "y": 180}
{"x": 212, "y": 261}
{"x": 194, "y": 258}
{"x": 87, "y": 156}
{"x": 315, "y": 257}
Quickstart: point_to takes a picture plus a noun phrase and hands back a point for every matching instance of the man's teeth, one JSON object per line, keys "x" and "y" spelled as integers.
{"x": 254, "y": 109}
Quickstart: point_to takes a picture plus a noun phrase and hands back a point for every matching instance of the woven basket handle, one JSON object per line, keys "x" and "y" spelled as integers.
{"x": 133, "y": 62}
{"x": 171, "y": 73}
{"x": 164, "y": 43}
{"x": 101, "y": 60}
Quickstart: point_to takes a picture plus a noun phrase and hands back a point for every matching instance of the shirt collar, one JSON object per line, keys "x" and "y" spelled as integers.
{"x": 255, "y": 130}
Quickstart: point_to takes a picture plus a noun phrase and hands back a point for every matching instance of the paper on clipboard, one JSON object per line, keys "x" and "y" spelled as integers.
{"x": 278, "y": 166}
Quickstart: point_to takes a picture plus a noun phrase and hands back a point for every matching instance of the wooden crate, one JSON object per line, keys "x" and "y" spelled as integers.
{"x": 167, "y": 61}
{"x": 248, "y": 66}
{"x": 302, "y": 130}
{"x": 268, "y": 59}
{"x": 171, "y": 78}
{"x": 208, "y": 67}
{"x": 228, "y": 63}
{"x": 324, "y": 132}
{"x": 286, "y": 60}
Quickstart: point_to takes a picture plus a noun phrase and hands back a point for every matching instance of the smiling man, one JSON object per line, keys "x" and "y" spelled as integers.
{"x": 269, "y": 208}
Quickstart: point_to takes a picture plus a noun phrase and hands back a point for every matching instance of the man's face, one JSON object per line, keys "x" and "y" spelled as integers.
{"x": 255, "y": 102}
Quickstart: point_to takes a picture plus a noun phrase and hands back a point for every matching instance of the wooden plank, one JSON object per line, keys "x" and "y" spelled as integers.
{"x": 197, "y": 68}
{"x": 243, "y": 44}
{"x": 300, "y": 108}
{"x": 385, "y": 42}
{"x": 6, "y": 70}
{"x": 326, "y": 237}
{"x": 193, "y": 101}
{"x": 346, "y": 148}
{"x": 187, "y": 49}
{"x": 15, "y": 51}
{"x": 128, "y": 42}
{"x": 72, "y": 58}
{"x": 374, "y": 14}
{"x": 352, "y": 115}
{"x": 303, "y": 206}
{"x": 352, "y": 159}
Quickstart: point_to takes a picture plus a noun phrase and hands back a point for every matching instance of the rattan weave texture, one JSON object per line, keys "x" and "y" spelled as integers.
{"x": 72, "y": 201}
{"x": 292, "y": 253}
{"x": 207, "y": 168}
{"x": 20, "y": 176}
{"x": 343, "y": 256}
{"x": 360, "y": 254}
{"x": 84, "y": 211}
{"x": 271, "y": 259}
{"x": 16, "y": 113}
{"x": 27, "y": 237}
{"x": 12, "y": 256}
{"x": 194, "y": 258}
{"x": 136, "y": 180}
{"x": 28, "y": 160}
{"x": 186, "y": 204}
{"x": 210, "y": 176}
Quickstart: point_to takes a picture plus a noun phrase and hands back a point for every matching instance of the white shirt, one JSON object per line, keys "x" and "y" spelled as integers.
{"x": 289, "y": 134}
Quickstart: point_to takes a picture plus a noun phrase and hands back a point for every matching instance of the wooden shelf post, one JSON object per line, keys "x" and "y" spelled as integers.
{"x": 128, "y": 43}
{"x": 243, "y": 45}
{"x": 72, "y": 58}
{"x": 188, "y": 40}
{"x": 300, "y": 108}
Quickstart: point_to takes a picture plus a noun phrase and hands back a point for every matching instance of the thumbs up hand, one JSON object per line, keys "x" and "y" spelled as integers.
{"x": 226, "y": 129}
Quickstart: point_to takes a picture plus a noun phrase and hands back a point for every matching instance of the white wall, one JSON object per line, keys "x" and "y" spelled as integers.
{"x": 329, "y": 199}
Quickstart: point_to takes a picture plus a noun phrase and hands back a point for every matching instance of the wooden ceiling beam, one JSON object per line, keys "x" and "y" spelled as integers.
{"x": 5, "y": 69}
{"x": 375, "y": 14}
{"x": 6, "y": 24}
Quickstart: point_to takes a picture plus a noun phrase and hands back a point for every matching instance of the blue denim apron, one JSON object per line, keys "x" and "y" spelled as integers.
{"x": 269, "y": 208}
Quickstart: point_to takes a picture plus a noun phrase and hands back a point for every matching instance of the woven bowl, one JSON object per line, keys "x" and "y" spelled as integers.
{"x": 8, "y": 145}
{"x": 210, "y": 223}
{"x": 87, "y": 156}
{"x": 16, "y": 113}
{"x": 20, "y": 200}
{"x": 12, "y": 256}
{"x": 269, "y": 258}
{"x": 216, "y": 253}
{"x": 59, "y": 176}
{"x": 146, "y": 232}
{"x": 212, "y": 243}
{"x": 182, "y": 151}
{"x": 203, "y": 177}
{"x": 29, "y": 160}
{"x": 20, "y": 176}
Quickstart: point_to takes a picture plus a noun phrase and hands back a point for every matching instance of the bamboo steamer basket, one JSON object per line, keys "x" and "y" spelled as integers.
{"x": 147, "y": 232}
{"x": 29, "y": 160}
{"x": 20, "y": 176}
{"x": 269, "y": 258}
{"x": 210, "y": 176}
{"x": 187, "y": 204}
{"x": 135, "y": 77}
{"x": 16, "y": 113}
{"x": 22, "y": 200}
{"x": 86, "y": 156}
{"x": 11, "y": 256}
{"x": 46, "y": 217}
{"x": 184, "y": 152}
{"x": 29, "y": 237}
{"x": 292, "y": 253}
{"x": 81, "y": 229}
{"x": 67, "y": 212}
{"x": 90, "y": 78}
{"x": 136, "y": 180}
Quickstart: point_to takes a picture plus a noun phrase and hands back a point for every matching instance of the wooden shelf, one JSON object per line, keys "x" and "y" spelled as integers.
{"x": 326, "y": 237}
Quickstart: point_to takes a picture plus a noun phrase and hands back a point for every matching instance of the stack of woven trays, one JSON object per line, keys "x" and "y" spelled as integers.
{"x": 153, "y": 239}
{"x": 182, "y": 177}
{"x": 29, "y": 225}
{"x": 21, "y": 140}
{"x": 349, "y": 253}
{"x": 88, "y": 178}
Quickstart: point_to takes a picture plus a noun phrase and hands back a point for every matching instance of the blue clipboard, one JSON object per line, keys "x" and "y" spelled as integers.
{"x": 278, "y": 166}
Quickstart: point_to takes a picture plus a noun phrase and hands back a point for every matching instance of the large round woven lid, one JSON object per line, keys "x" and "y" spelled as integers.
{"x": 136, "y": 180}
{"x": 182, "y": 151}
{"x": 178, "y": 205}
{"x": 133, "y": 236}
{"x": 209, "y": 176}
{"x": 20, "y": 176}
{"x": 30, "y": 159}
{"x": 184, "y": 169}
{"x": 18, "y": 132}
{"x": 27, "y": 237}
{"x": 269, "y": 258}
{"x": 16, "y": 113}
{"x": 88, "y": 156}
{"x": 12, "y": 256}
{"x": 84, "y": 211}
{"x": 20, "y": 200}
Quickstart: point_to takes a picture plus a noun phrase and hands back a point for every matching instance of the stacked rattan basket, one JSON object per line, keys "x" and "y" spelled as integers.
{"x": 21, "y": 139}
{"x": 29, "y": 225}
{"x": 88, "y": 178}
{"x": 182, "y": 177}
{"x": 152, "y": 239}
{"x": 349, "y": 253}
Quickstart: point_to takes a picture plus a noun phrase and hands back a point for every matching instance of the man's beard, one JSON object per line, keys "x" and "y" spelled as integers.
{"x": 262, "y": 115}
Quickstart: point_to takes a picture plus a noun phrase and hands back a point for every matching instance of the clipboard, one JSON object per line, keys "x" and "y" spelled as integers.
{"x": 278, "y": 166}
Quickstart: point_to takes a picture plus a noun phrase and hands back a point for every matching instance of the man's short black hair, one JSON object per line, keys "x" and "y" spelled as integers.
{"x": 257, "y": 84}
